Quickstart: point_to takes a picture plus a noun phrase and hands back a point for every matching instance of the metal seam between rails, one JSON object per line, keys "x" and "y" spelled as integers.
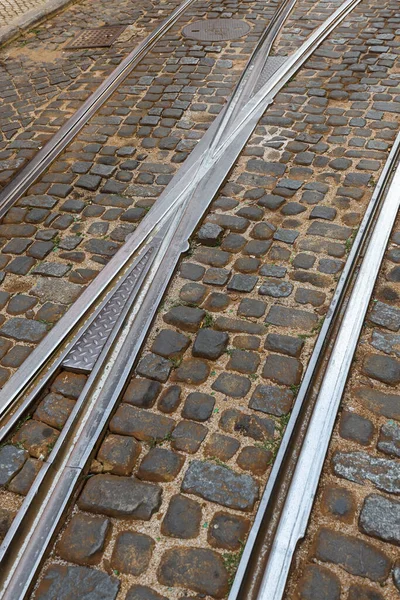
{"x": 211, "y": 171}
{"x": 20, "y": 184}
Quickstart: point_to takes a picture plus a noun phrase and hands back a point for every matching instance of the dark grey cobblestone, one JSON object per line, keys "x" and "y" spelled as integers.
{"x": 287, "y": 214}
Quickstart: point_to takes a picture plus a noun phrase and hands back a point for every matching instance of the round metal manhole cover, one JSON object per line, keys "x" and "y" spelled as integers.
{"x": 216, "y": 30}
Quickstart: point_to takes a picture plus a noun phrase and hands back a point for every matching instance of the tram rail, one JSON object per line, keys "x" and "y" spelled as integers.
{"x": 151, "y": 251}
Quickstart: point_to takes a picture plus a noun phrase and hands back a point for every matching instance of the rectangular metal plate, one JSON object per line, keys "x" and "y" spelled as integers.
{"x": 102, "y": 37}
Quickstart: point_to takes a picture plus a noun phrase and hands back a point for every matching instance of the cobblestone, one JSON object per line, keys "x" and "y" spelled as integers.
{"x": 287, "y": 216}
{"x": 349, "y": 501}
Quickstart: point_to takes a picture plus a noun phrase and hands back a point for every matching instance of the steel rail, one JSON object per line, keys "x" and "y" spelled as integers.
{"x": 191, "y": 197}
{"x": 28, "y": 519}
{"x": 300, "y": 497}
{"x": 29, "y": 174}
{"x": 259, "y": 576}
{"x": 183, "y": 184}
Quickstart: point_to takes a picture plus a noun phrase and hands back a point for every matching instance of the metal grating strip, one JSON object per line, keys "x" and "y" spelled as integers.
{"x": 87, "y": 349}
{"x": 271, "y": 66}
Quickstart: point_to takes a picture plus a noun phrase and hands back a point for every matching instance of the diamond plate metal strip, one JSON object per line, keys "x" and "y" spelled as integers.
{"x": 87, "y": 349}
{"x": 271, "y": 66}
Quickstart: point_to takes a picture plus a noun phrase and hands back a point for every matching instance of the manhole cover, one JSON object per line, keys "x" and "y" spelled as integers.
{"x": 97, "y": 38}
{"x": 216, "y": 30}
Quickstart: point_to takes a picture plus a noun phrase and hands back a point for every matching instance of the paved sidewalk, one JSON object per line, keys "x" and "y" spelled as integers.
{"x": 18, "y": 15}
{"x": 10, "y": 10}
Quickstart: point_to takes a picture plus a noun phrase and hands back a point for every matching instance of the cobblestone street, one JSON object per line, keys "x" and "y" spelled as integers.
{"x": 165, "y": 506}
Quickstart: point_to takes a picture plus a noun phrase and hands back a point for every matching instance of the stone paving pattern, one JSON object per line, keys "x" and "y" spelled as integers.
{"x": 42, "y": 84}
{"x": 105, "y": 166}
{"x": 56, "y": 81}
{"x": 351, "y": 547}
{"x": 12, "y": 9}
{"x": 177, "y": 478}
{"x": 79, "y": 213}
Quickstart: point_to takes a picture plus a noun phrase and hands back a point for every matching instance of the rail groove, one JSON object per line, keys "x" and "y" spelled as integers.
{"x": 21, "y": 183}
{"x": 286, "y": 505}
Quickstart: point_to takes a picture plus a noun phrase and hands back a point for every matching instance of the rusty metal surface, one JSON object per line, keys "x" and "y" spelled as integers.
{"x": 216, "y": 30}
{"x": 102, "y": 37}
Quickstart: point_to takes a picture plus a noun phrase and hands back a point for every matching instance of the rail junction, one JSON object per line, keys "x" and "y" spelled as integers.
{"x": 199, "y": 345}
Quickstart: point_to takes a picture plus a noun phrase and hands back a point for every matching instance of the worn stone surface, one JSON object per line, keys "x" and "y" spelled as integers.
{"x": 380, "y": 518}
{"x": 284, "y": 344}
{"x": 185, "y": 318}
{"x": 120, "y": 497}
{"x": 12, "y": 460}
{"x": 169, "y": 343}
{"x": 198, "y": 406}
{"x": 221, "y": 446}
{"x": 356, "y": 428}
{"x": 339, "y": 502}
{"x": 352, "y": 554}
{"x": 379, "y": 402}
{"x": 227, "y": 531}
{"x": 170, "y": 399}
{"x": 383, "y": 368}
{"x": 363, "y": 592}
{"x": 255, "y": 460}
{"x": 194, "y": 371}
{"x": 188, "y": 436}
{"x": 143, "y": 425}
{"x": 389, "y": 439}
{"x": 293, "y": 318}
{"x": 84, "y": 539}
{"x": 6, "y": 518}
{"x": 118, "y": 454}
{"x": 23, "y": 330}
{"x": 210, "y": 344}
{"x": 155, "y": 367}
{"x": 361, "y": 467}
{"x": 142, "y": 392}
{"x": 271, "y": 400}
{"x": 26, "y": 476}
{"x": 318, "y": 583}
{"x": 69, "y": 384}
{"x": 36, "y": 437}
{"x": 182, "y": 519}
{"x": 64, "y": 582}
{"x": 132, "y": 552}
{"x": 231, "y": 385}
{"x": 282, "y": 369}
{"x": 243, "y": 362}
{"x": 396, "y": 574}
{"x": 220, "y": 485}
{"x": 160, "y": 464}
{"x": 54, "y": 410}
{"x": 185, "y": 567}
{"x": 385, "y": 315}
{"x": 141, "y": 592}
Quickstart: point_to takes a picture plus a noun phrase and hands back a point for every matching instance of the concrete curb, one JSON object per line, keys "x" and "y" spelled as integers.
{"x": 22, "y": 23}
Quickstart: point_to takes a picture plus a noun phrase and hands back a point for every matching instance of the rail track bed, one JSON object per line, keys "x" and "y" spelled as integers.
{"x": 188, "y": 265}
